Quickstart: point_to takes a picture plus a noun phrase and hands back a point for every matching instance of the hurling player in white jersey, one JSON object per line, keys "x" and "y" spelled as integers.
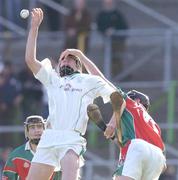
{"x": 69, "y": 93}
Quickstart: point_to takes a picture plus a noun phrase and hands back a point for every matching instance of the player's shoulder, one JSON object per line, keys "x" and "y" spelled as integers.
{"x": 47, "y": 65}
{"x": 18, "y": 150}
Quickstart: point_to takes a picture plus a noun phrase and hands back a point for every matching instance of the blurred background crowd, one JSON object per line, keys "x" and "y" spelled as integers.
{"x": 132, "y": 42}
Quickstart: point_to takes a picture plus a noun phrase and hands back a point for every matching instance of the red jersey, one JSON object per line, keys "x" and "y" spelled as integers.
{"x": 137, "y": 123}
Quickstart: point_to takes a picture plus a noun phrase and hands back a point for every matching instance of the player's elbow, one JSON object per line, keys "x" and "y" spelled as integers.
{"x": 117, "y": 100}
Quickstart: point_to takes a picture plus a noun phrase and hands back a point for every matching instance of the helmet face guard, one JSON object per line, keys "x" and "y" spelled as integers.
{"x": 66, "y": 70}
{"x": 144, "y": 99}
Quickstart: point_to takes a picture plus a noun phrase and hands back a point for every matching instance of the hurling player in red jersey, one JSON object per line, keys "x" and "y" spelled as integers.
{"x": 139, "y": 136}
{"x": 140, "y": 143}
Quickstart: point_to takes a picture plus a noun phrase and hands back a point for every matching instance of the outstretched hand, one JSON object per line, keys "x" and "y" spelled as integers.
{"x": 37, "y": 17}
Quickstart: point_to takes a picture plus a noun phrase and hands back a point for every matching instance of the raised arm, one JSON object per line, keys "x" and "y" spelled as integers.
{"x": 30, "y": 54}
{"x": 89, "y": 65}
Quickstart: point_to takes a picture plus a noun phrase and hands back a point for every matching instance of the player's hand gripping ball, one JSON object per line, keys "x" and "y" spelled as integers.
{"x": 24, "y": 13}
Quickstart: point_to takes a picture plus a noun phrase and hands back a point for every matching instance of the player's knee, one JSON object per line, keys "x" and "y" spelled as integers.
{"x": 70, "y": 161}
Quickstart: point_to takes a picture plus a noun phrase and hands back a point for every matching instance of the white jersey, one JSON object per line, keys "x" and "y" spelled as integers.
{"x": 68, "y": 97}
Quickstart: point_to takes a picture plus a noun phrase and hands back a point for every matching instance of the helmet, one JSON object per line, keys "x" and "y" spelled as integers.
{"x": 144, "y": 99}
{"x": 33, "y": 120}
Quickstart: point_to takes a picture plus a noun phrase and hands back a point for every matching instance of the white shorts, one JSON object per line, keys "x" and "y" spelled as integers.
{"x": 53, "y": 155}
{"x": 144, "y": 161}
{"x": 54, "y": 144}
